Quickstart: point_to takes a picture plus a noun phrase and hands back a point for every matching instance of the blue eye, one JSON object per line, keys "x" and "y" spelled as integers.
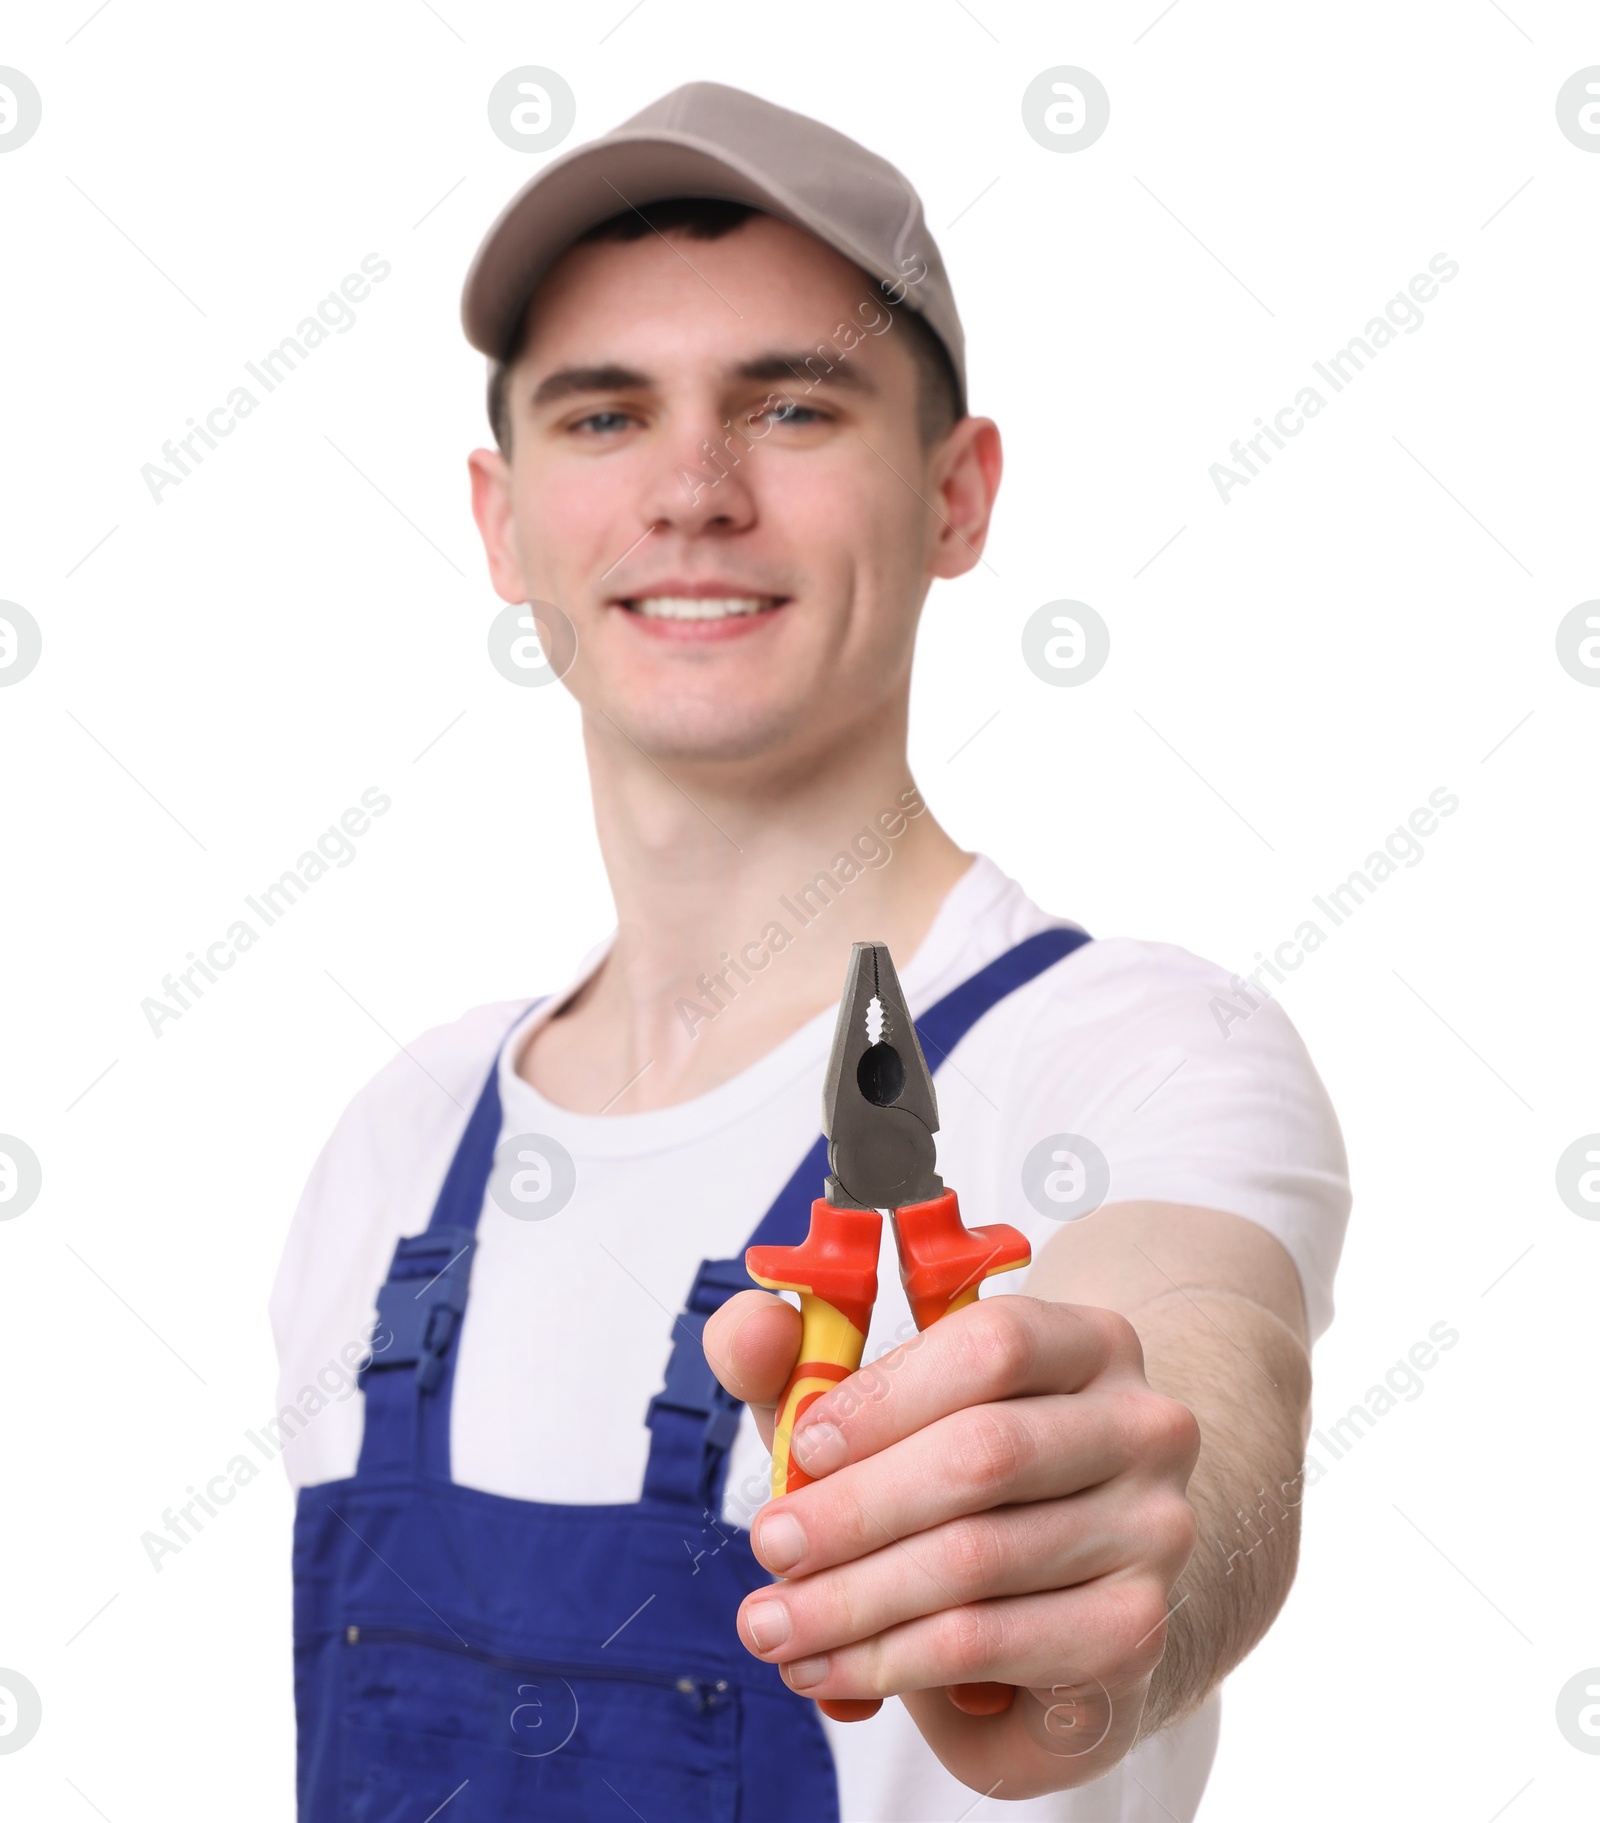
{"x": 603, "y": 421}
{"x": 790, "y": 413}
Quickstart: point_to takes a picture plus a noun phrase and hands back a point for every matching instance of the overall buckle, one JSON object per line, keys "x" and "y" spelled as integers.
{"x": 421, "y": 1303}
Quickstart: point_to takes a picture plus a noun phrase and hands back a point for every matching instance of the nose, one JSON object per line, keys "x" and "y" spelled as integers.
{"x": 698, "y": 479}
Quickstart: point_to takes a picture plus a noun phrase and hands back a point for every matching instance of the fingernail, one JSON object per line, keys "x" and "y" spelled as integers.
{"x": 819, "y": 1448}
{"x": 768, "y": 1624}
{"x": 780, "y": 1542}
{"x": 805, "y": 1672}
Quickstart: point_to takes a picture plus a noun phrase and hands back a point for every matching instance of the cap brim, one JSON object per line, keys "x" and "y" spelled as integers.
{"x": 588, "y": 186}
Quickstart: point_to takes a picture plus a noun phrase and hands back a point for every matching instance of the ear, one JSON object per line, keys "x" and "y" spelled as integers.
{"x": 965, "y": 470}
{"x": 491, "y": 507}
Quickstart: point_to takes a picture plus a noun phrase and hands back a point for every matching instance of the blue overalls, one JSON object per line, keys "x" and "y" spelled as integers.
{"x": 499, "y": 1659}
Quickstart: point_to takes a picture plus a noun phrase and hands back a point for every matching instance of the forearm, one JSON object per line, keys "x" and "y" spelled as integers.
{"x": 1246, "y": 1377}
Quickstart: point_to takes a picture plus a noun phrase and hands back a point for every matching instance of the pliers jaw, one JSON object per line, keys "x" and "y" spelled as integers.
{"x": 879, "y": 1110}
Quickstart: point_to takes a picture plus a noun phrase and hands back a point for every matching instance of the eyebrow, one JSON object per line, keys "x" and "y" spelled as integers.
{"x": 782, "y": 366}
{"x": 569, "y": 380}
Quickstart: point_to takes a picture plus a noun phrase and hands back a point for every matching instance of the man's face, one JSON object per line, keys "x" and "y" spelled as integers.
{"x": 742, "y": 542}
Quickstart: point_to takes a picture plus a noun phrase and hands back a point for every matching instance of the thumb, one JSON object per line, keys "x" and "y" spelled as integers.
{"x": 752, "y": 1344}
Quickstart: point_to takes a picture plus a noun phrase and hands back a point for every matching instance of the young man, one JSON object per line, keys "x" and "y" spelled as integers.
{"x": 733, "y": 454}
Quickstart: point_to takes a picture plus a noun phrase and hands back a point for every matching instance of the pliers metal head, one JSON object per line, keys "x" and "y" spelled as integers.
{"x": 879, "y": 1110}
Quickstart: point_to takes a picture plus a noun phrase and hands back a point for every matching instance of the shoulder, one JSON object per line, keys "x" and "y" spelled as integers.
{"x": 427, "y": 1089}
{"x": 379, "y": 1170}
{"x": 1196, "y": 1088}
{"x": 1107, "y": 978}
{"x": 1136, "y": 1013}
{"x": 1144, "y": 991}
{"x": 1119, "y": 1003}
{"x": 374, "y": 1180}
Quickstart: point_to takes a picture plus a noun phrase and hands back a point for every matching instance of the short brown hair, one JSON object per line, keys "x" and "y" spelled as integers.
{"x": 708, "y": 218}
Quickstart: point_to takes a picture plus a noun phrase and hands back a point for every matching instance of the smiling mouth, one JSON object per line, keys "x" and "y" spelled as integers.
{"x": 701, "y": 607}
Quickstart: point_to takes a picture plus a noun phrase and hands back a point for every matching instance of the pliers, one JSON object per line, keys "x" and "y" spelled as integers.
{"x": 880, "y": 1115}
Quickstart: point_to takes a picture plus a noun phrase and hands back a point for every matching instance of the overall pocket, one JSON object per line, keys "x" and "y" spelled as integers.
{"x": 426, "y": 1719}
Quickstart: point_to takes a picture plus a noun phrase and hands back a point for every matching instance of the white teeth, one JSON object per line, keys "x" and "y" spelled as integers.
{"x": 700, "y": 607}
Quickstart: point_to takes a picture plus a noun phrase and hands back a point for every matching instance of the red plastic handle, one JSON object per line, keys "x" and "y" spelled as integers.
{"x": 837, "y": 1261}
{"x": 942, "y": 1263}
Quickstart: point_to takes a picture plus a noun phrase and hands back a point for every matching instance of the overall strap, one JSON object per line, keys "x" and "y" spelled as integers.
{"x": 692, "y": 1420}
{"x": 409, "y": 1379}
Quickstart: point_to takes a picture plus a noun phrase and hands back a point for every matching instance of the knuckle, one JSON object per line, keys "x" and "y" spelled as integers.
{"x": 1159, "y": 1429}
{"x": 869, "y": 1681}
{"x": 991, "y": 1450}
{"x": 973, "y": 1554}
{"x": 1140, "y": 1627}
{"x": 862, "y": 1670}
{"x": 844, "y": 1524}
{"x": 968, "y": 1642}
{"x": 1119, "y": 1338}
{"x": 1168, "y": 1529}
{"x": 1177, "y": 1430}
{"x": 832, "y": 1603}
{"x": 999, "y": 1343}
{"x": 1182, "y": 1530}
{"x": 880, "y": 1675}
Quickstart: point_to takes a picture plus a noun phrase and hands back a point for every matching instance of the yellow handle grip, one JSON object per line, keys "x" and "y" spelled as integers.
{"x": 830, "y": 1349}
{"x": 835, "y": 1271}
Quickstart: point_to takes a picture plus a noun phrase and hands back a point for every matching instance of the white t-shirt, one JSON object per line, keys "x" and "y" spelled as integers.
{"x": 1117, "y": 1042}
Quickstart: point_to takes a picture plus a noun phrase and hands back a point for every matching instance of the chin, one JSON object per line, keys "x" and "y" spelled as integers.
{"x": 711, "y": 732}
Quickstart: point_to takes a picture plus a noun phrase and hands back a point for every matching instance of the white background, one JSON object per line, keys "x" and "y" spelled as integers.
{"x": 230, "y": 668}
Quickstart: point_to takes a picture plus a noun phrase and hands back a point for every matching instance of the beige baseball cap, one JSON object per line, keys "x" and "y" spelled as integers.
{"x": 709, "y": 140}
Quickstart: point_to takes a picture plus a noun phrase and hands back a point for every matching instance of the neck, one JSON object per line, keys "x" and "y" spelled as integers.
{"x": 739, "y": 890}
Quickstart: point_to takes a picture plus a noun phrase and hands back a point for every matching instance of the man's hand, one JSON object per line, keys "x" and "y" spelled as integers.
{"x": 1000, "y": 1500}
